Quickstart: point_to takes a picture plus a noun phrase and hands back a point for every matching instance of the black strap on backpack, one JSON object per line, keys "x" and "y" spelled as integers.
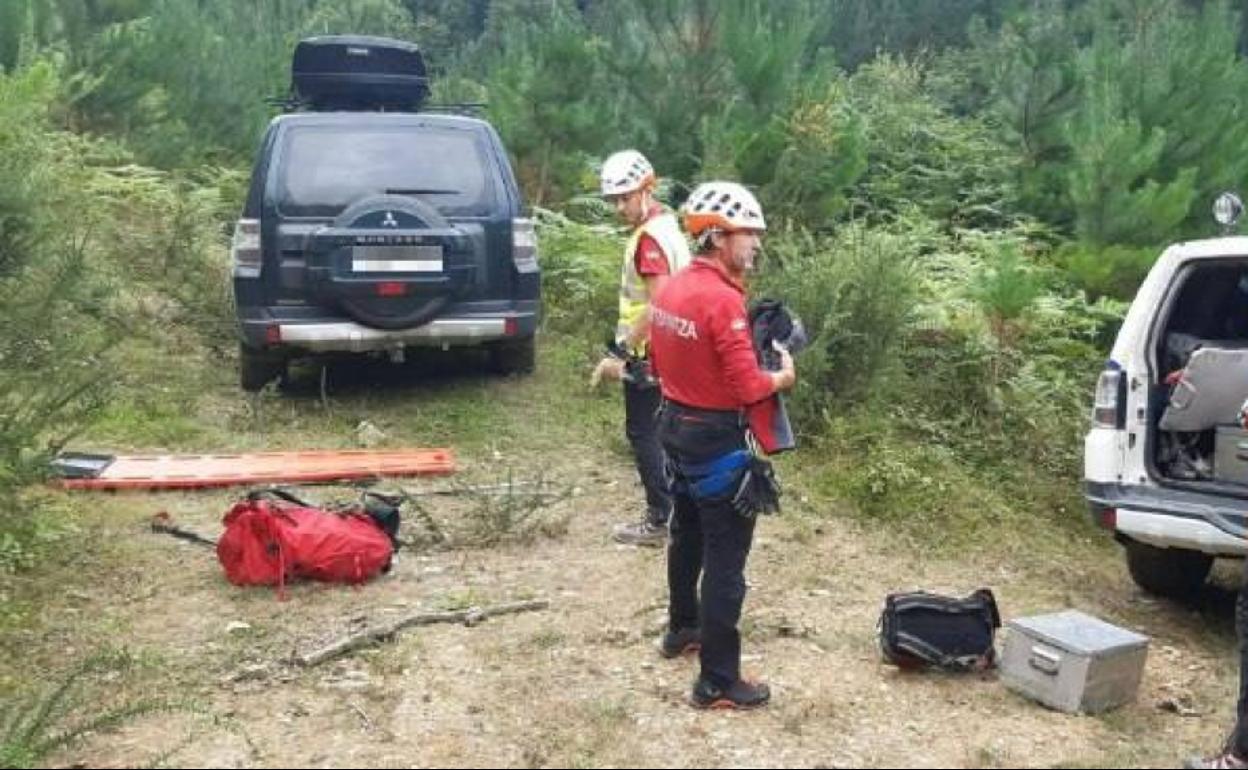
{"x": 381, "y": 508}
{"x": 280, "y": 494}
{"x": 920, "y": 630}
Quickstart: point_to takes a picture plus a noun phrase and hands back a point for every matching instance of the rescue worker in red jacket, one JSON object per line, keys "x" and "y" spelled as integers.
{"x": 703, "y": 351}
{"x": 1234, "y": 751}
{"x": 655, "y": 249}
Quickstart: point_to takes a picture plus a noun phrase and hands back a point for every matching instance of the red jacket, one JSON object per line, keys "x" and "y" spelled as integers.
{"x": 650, "y": 259}
{"x": 700, "y": 342}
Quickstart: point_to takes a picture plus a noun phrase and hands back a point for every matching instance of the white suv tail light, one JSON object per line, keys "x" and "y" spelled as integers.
{"x": 1109, "y": 407}
{"x": 524, "y": 245}
{"x": 245, "y": 250}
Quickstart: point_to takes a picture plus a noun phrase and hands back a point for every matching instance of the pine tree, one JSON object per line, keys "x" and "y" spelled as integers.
{"x": 14, "y": 16}
{"x": 860, "y": 29}
{"x": 188, "y": 82}
{"x": 732, "y": 88}
{"x": 921, "y": 157}
{"x": 790, "y": 131}
{"x": 1180, "y": 72}
{"x": 824, "y": 153}
{"x": 1124, "y": 113}
{"x": 665, "y": 58}
{"x": 541, "y": 83}
{"x": 1022, "y": 79}
{"x": 445, "y": 27}
{"x": 1120, "y": 187}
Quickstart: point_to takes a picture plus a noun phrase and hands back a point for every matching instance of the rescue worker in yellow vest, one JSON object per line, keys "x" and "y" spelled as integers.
{"x": 655, "y": 250}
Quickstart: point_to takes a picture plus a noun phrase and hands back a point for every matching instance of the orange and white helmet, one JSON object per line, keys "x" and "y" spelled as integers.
{"x": 626, "y": 171}
{"x": 724, "y": 206}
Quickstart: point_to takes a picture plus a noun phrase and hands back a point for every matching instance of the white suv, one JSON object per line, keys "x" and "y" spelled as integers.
{"x": 1166, "y": 461}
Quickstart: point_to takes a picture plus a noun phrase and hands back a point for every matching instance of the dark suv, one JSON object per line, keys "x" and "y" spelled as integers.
{"x": 378, "y": 231}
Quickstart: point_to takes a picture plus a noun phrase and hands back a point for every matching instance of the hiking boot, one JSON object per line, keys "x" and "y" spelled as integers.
{"x": 741, "y": 695}
{"x": 643, "y": 532}
{"x": 1227, "y": 759}
{"x": 677, "y": 643}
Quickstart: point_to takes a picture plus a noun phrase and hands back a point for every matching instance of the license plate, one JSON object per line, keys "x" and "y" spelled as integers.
{"x": 396, "y": 259}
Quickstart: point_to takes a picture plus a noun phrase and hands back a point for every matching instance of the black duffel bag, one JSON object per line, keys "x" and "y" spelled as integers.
{"x": 921, "y": 630}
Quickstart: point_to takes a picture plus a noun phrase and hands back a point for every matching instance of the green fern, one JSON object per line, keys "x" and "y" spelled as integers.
{"x": 33, "y": 727}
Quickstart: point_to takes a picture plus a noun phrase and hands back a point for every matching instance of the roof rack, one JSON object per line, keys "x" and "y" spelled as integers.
{"x": 292, "y": 103}
{"x": 470, "y": 109}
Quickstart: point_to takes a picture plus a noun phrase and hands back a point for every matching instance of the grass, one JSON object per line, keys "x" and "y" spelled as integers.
{"x": 547, "y": 639}
{"x": 33, "y": 726}
{"x": 593, "y": 733}
{"x": 459, "y": 600}
{"x": 926, "y": 497}
{"x": 434, "y": 398}
{"x": 147, "y": 425}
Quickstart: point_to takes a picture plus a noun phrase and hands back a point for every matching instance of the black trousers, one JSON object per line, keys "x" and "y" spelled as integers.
{"x": 708, "y": 545}
{"x": 641, "y": 406}
{"x": 1240, "y": 737}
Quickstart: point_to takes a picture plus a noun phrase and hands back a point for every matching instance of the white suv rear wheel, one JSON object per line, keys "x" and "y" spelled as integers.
{"x": 1175, "y": 573}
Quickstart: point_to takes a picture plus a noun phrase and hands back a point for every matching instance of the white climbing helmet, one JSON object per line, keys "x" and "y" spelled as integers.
{"x": 725, "y": 206}
{"x": 626, "y": 171}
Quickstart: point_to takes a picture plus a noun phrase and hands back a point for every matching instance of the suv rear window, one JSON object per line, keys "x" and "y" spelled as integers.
{"x": 327, "y": 168}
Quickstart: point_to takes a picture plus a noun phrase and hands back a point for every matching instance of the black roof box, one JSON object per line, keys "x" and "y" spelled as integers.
{"x": 356, "y": 72}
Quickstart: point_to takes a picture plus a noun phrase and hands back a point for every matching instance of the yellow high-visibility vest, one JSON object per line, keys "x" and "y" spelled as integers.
{"x": 634, "y": 298}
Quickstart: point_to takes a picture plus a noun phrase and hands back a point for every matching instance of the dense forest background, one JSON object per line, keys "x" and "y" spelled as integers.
{"x": 963, "y": 194}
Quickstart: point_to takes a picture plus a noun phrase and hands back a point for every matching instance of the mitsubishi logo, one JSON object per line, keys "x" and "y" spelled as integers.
{"x": 389, "y": 220}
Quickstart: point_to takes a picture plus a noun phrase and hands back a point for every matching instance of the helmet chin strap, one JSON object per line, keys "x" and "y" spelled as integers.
{"x": 736, "y": 265}
{"x": 645, "y": 199}
{"x": 704, "y": 243}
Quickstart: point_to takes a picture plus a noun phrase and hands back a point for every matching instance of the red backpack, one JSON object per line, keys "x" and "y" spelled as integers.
{"x": 267, "y": 542}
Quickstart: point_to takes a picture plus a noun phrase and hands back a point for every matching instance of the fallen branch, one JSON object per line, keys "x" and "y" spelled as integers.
{"x": 368, "y": 723}
{"x": 470, "y": 617}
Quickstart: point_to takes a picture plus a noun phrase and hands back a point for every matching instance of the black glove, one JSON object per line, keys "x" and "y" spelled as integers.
{"x": 636, "y": 368}
{"x": 758, "y": 491}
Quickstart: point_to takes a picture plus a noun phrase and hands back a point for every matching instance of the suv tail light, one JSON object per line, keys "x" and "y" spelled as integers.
{"x": 1109, "y": 407}
{"x": 524, "y": 245}
{"x": 1104, "y": 516}
{"x": 245, "y": 250}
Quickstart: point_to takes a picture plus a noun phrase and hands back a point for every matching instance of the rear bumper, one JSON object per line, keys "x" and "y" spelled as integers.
{"x": 1165, "y": 531}
{"x": 1173, "y": 519}
{"x": 348, "y": 336}
{"x": 294, "y": 331}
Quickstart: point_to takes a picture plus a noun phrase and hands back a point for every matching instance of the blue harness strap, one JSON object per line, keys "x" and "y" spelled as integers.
{"x": 716, "y": 477}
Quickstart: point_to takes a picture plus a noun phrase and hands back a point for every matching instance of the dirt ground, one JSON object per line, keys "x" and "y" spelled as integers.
{"x": 581, "y": 684}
